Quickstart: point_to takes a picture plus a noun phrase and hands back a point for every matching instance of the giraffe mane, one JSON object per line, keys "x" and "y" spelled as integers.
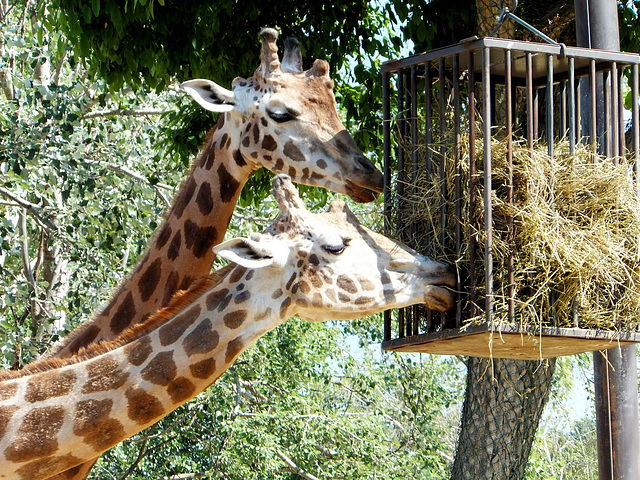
{"x": 180, "y": 301}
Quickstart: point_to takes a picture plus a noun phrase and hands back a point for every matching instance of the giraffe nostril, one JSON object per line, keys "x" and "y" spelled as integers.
{"x": 365, "y": 164}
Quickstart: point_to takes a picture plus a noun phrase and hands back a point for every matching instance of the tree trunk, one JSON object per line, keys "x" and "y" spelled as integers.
{"x": 502, "y": 408}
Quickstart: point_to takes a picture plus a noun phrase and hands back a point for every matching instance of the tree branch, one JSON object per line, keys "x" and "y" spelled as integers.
{"x": 184, "y": 476}
{"x": 299, "y": 471}
{"x": 123, "y": 112}
{"x": 33, "y": 209}
{"x": 26, "y": 261}
{"x": 138, "y": 176}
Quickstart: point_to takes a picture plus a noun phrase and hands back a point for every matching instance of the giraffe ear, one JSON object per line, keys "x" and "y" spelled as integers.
{"x": 210, "y": 95}
{"x": 253, "y": 253}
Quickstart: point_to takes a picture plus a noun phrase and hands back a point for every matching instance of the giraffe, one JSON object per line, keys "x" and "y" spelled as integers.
{"x": 282, "y": 118}
{"x": 57, "y": 413}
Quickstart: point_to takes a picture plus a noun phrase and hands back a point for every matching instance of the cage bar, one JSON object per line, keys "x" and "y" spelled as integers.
{"x": 491, "y": 88}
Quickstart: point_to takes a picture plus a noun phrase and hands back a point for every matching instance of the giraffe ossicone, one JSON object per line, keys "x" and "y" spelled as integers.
{"x": 57, "y": 414}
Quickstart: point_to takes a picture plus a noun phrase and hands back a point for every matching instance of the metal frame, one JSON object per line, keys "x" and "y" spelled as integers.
{"x": 550, "y": 76}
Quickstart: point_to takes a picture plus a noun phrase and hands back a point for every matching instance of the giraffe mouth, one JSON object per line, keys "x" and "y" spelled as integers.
{"x": 361, "y": 194}
{"x": 438, "y": 298}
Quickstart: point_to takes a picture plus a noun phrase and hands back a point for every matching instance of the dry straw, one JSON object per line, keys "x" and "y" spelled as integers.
{"x": 576, "y": 232}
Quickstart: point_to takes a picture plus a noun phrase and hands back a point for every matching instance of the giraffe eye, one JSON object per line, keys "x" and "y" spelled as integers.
{"x": 336, "y": 249}
{"x": 280, "y": 115}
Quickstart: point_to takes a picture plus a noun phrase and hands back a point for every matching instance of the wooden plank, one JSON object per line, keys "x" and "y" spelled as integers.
{"x": 511, "y": 341}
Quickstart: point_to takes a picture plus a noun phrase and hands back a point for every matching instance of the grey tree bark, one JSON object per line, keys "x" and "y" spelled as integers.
{"x": 503, "y": 404}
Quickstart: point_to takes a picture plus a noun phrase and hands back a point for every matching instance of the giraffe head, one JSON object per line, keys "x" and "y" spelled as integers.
{"x": 286, "y": 120}
{"x": 332, "y": 267}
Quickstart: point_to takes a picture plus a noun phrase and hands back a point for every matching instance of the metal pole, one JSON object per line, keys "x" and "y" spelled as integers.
{"x": 615, "y": 375}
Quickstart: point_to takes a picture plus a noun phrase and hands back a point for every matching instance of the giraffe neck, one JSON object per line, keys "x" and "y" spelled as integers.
{"x": 181, "y": 251}
{"x": 60, "y": 417}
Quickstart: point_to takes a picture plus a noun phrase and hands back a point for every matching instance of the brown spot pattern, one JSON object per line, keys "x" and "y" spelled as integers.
{"x": 364, "y": 300}
{"x": 173, "y": 330}
{"x": 256, "y": 133}
{"x": 124, "y": 315}
{"x": 163, "y": 236}
{"x": 161, "y": 369}
{"x": 170, "y": 287}
{"x": 234, "y": 319}
{"x": 199, "y": 239}
{"x": 304, "y": 287}
{"x": 346, "y": 284}
{"x": 237, "y": 274}
{"x": 6, "y": 413}
{"x": 204, "y": 368}
{"x": 150, "y": 279}
{"x": 49, "y": 384}
{"x": 8, "y": 390}
{"x": 37, "y": 435}
{"x": 291, "y": 280}
{"x": 143, "y": 407}
{"x": 202, "y": 339}
{"x": 184, "y": 197}
{"x": 242, "y": 297}
{"x": 228, "y": 184}
{"x": 174, "y": 246}
{"x": 277, "y": 294}
{"x": 238, "y": 158}
{"x": 317, "y": 300}
{"x": 84, "y": 338}
{"x": 137, "y": 352}
{"x": 92, "y": 421}
{"x": 181, "y": 389}
{"x": 45, "y": 467}
{"x": 284, "y": 306}
{"x": 211, "y": 158}
{"x": 204, "y": 199}
{"x": 186, "y": 282}
{"x": 214, "y": 298}
{"x": 104, "y": 375}
{"x": 293, "y": 152}
{"x": 366, "y": 285}
{"x": 233, "y": 349}
{"x": 268, "y": 143}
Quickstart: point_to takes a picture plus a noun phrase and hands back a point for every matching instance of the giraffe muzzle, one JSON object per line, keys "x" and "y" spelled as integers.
{"x": 438, "y": 298}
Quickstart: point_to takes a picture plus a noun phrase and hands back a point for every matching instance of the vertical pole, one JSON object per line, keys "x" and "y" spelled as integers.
{"x": 473, "y": 237}
{"x": 486, "y": 109}
{"x": 597, "y": 27}
{"x": 458, "y": 182}
{"x": 412, "y": 329}
{"x": 386, "y": 133}
{"x": 572, "y": 105}
{"x": 510, "y": 221}
{"x": 428, "y": 120}
{"x": 401, "y": 181}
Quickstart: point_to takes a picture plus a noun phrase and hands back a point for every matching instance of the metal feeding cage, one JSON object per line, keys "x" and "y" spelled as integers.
{"x": 463, "y": 96}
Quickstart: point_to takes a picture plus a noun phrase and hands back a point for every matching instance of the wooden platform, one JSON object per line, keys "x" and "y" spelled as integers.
{"x": 511, "y": 341}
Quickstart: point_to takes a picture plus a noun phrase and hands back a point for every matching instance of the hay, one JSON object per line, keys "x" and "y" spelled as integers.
{"x": 576, "y": 230}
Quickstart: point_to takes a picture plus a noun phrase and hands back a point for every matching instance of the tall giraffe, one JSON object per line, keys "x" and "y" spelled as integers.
{"x": 283, "y": 119}
{"x": 56, "y": 413}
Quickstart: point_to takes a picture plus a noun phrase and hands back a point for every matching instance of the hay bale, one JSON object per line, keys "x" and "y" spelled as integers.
{"x": 575, "y": 240}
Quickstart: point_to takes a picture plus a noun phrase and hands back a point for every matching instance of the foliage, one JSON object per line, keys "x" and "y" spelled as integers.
{"x": 92, "y": 189}
{"x": 89, "y": 162}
